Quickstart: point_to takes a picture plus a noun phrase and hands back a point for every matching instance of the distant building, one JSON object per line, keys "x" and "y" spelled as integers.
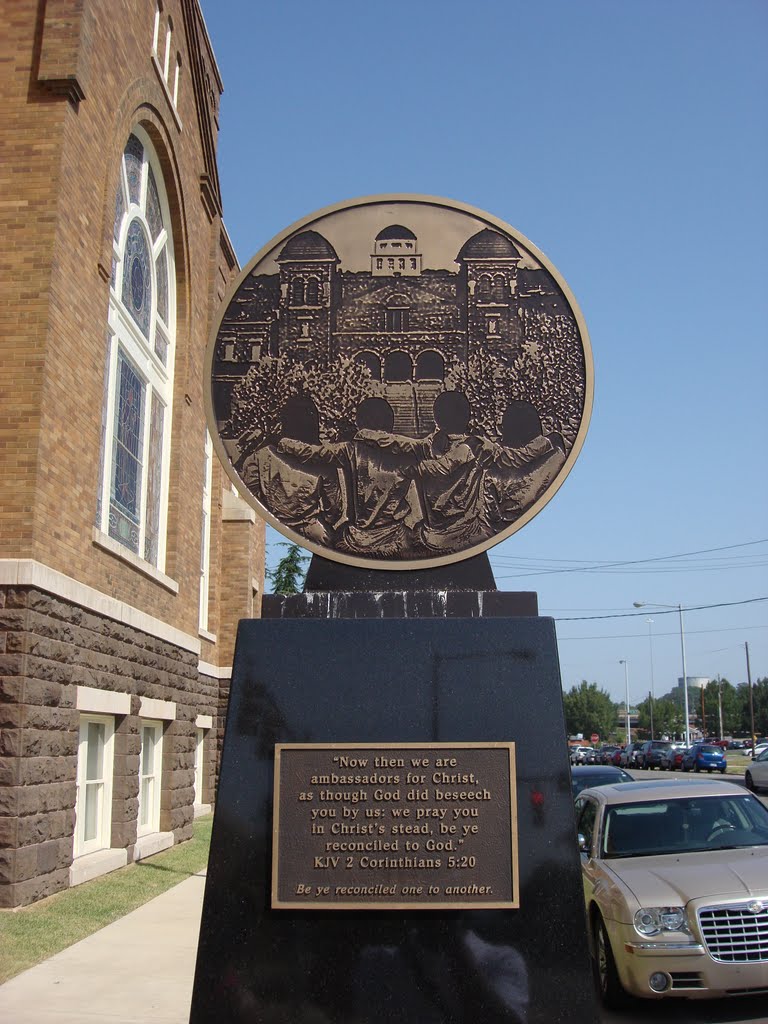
{"x": 697, "y": 682}
{"x": 407, "y": 324}
{"x": 126, "y": 560}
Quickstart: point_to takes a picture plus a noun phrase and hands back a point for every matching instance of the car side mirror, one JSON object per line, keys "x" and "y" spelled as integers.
{"x": 583, "y": 845}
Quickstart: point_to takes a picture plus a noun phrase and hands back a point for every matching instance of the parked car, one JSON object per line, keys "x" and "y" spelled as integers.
{"x": 737, "y": 745}
{"x": 629, "y": 755}
{"x": 650, "y": 753}
{"x": 605, "y": 754}
{"x": 675, "y": 880}
{"x": 616, "y": 756}
{"x": 672, "y": 759}
{"x": 756, "y": 776}
{"x": 590, "y": 755}
{"x": 577, "y": 755}
{"x": 759, "y": 749}
{"x": 704, "y": 757}
{"x": 585, "y": 776}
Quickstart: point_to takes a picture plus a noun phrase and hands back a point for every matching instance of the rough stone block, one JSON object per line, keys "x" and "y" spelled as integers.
{"x": 44, "y": 799}
{"x": 9, "y": 832}
{"x": 10, "y": 771}
{"x": 37, "y": 770}
{"x": 10, "y": 742}
{"x": 54, "y": 856}
{"x": 10, "y": 716}
{"x": 38, "y": 888}
{"x": 10, "y": 800}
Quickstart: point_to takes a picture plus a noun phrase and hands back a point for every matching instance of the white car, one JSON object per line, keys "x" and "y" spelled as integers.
{"x": 756, "y": 776}
{"x": 676, "y": 886}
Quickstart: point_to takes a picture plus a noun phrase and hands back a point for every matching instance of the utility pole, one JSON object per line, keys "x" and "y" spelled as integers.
{"x": 751, "y": 700}
{"x": 720, "y": 702}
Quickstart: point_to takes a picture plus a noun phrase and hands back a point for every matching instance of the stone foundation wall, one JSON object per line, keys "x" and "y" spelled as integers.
{"x": 49, "y": 647}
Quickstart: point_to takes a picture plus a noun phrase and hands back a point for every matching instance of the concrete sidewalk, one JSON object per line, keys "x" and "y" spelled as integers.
{"x": 139, "y": 969}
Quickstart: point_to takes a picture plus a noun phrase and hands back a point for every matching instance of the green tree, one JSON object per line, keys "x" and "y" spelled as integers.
{"x": 717, "y": 693}
{"x": 667, "y": 717}
{"x": 589, "y": 710}
{"x": 288, "y": 575}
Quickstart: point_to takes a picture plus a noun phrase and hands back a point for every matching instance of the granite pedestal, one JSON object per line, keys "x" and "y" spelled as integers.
{"x": 394, "y": 681}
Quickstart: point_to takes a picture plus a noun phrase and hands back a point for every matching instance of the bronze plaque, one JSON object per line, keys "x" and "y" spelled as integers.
{"x": 408, "y": 825}
{"x": 399, "y": 382}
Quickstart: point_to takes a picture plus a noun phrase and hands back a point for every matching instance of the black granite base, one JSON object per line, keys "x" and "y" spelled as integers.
{"x": 394, "y": 681}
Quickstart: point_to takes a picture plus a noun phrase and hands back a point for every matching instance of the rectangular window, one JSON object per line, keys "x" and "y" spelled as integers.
{"x": 397, "y": 320}
{"x": 205, "y": 540}
{"x": 156, "y": 33}
{"x": 150, "y": 777}
{"x": 176, "y": 77}
{"x": 93, "y": 805}
{"x": 199, "y": 777}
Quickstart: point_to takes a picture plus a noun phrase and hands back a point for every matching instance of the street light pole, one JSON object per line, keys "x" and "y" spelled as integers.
{"x": 650, "y": 651}
{"x": 685, "y": 679}
{"x": 626, "y": 694}
{"x": 656, "y": 604}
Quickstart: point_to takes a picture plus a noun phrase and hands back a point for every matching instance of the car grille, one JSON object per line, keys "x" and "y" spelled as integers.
{"x": 734, "y": 934}
{"x": 686, "y": 979}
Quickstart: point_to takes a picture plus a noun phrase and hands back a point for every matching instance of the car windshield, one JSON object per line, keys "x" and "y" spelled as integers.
{"x": 707, "y": 749}
{"x": 579, "y": 782}
{"x": 684, "y": 825}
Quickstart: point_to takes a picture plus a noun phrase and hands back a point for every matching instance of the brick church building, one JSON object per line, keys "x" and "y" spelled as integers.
{"x": 126, "y": 559}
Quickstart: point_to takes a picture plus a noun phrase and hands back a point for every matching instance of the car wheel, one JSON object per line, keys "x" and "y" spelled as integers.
{"x": 696, "y": 768}
{"x": 686, "y": 768}
{"x": 749, "y": 782}
{"x": 722, "y": 771}
{"x": 609, "y": 987}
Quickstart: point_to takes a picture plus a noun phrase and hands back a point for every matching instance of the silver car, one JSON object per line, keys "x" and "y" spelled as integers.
{"x": 676, "y": 887}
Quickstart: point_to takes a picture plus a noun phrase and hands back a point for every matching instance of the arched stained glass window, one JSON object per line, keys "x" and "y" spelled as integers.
{"x": 133, "y": 491}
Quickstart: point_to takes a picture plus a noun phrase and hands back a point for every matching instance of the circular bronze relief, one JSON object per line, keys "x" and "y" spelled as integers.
{"x": 399, "y": 382}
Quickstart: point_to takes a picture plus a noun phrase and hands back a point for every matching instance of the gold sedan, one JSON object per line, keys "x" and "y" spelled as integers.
{"x": 676, "y": 887}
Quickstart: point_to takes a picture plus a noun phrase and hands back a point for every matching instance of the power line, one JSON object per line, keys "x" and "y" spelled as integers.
{"x": 603, "y": 565}
{"x": 688, "y": 632}
{"x": 652, "y": 609}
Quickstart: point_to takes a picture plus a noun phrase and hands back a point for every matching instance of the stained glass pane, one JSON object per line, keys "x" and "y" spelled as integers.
{"x": 154, "y": 211}
{"x": 126, "y": 460}
{"x": 137, "y": 277}
{"x": 134, "y": 157}
{"x": 162, "y": 285}
{"x": 104, "y": 414}
{"x": 119, "y": 211}
{"x": 154, "y": 480}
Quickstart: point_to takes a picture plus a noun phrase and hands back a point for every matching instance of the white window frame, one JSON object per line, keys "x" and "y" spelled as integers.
{"x": 199, "y": 765}
{"x": 176, "y": 79}
{"x": 205, "y": 541}
{"x": 149, "y": 802}
{"x": 167, "y": 58}
{"x": 101, "y": 841}
{"x": 126, "y": 339}
{"x": 156, "y": 32}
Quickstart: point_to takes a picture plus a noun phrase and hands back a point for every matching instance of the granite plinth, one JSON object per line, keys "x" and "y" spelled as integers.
{"x": 394, "y": 681}
{"x": 402, "y": 604}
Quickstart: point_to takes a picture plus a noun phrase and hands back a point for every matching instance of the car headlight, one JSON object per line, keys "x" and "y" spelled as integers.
{"x": 655, "y": 920}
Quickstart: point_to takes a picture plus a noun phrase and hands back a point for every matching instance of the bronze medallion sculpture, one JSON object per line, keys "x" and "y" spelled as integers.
{"x": 399, "y": 381}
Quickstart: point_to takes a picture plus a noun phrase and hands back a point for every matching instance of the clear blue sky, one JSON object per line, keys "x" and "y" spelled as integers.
{"x": 628, "y": 141}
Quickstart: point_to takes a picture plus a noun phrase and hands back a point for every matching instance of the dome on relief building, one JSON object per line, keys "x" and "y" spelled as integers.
{"x": 488, "y": 245}
{"x": 308, "y": 245}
